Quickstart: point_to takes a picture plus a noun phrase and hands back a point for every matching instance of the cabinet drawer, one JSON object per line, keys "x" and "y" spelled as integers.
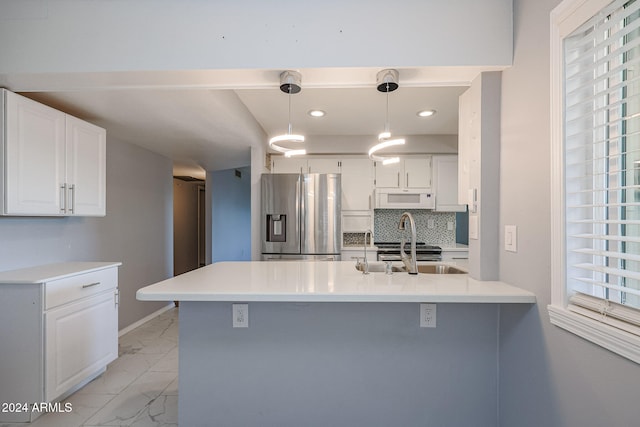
{"x": 62, "y": 291}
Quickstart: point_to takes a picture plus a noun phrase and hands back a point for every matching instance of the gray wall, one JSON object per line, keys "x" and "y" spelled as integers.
{"x": 230, "y": 214}
{"x": 548, "y": 377}
{"x": 137, "y": 229}
{"x": 338, "y": 364}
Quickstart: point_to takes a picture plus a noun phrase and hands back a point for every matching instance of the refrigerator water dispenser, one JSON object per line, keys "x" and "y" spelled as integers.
{"x": 276, "y": 228}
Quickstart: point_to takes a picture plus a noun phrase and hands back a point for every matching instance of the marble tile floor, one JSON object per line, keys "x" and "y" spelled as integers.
{"x": 139, "y": 389}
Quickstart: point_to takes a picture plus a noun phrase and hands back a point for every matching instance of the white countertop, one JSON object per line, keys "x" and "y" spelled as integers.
{"x": 49, "y": 272}
{"x": 324, "y": 281}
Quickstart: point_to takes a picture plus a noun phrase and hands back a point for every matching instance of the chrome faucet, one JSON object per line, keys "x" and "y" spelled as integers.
{"x": 366, "y": 262}
{"x": 409, "y": 261}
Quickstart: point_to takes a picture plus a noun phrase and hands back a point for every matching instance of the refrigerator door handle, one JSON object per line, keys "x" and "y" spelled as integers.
{"x": 300, "y": 209}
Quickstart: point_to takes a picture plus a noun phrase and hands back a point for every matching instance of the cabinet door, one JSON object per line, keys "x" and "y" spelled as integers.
{"x": 417, "y": 172}
{"x": 389, "y": 176}
{"x": 357, "y": 184}
{"x": 34, "y": 163}
{"x": 81, "y": 339}
{"x": 465, "y": 123}
{"x": 283, "y": 164}
{"x": 323, "y": 166}
{"x": 446, "y": 182}
{"x": 86, "y": 168}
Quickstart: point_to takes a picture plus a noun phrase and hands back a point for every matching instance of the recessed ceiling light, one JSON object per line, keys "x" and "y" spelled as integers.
{"x": 316, "y": 113}
{"x": 426, "y": 113}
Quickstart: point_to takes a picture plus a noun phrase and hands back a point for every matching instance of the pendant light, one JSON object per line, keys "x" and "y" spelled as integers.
{"x": 290, "y": 83}
{"x": 387, "y": 81}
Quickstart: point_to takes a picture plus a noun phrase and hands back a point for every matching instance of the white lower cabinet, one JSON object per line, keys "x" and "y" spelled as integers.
{"x": 59, "y": 330}
{"x": 80, "y": 340}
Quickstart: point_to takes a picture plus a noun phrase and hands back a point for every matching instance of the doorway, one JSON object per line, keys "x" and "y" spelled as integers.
{"x": 188, "y": 224}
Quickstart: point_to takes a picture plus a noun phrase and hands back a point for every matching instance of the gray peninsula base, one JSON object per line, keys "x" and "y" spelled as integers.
{"x": 338, "y": 364}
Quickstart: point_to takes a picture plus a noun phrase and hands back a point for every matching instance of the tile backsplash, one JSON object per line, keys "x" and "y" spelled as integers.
{"x": 354, "y": 239}
{"x": 386, "y": 226}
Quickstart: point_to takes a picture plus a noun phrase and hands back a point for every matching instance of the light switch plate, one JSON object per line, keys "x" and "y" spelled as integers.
{"x": 511, "y": 238}
{"x": 473, "y": 200}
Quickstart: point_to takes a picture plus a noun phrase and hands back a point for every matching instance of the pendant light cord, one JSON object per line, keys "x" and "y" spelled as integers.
{"x": 386, "y": 123}
{"x": 290, "y": 127}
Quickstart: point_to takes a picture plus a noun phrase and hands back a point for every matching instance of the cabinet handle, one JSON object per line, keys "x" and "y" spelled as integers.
{"x": 90, "y": 285}
{"x": 63, "y": 198}
{"x": 116, "y": 297}
{"x": 407, "y": 179}
{"x": 369, "y": 201}
{"x": 398, "y": 179}
{"x": 72, "y": 192}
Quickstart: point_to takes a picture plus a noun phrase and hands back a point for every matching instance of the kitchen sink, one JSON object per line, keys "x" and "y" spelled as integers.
{"x": 439, "y": 269}
{"x": 422, "y": 268}
{"x": 380, "y": 268}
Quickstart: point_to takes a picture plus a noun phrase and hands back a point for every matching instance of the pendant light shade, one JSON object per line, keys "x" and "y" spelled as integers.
{"x": 387, "y": 81}
{"x": 290, "y": 83}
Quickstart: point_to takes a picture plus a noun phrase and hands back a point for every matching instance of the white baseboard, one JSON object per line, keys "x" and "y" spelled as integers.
{"x": 145, "y": 319}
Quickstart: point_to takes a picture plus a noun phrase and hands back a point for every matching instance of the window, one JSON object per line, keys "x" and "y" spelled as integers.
{"x": 596, "y": 166}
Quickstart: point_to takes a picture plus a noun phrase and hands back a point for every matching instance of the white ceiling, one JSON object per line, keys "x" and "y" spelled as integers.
{"x": 356, "y": 111}
{"x": 209, "y": 122}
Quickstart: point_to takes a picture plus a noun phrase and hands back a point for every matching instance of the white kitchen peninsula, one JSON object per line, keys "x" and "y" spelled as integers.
{"x": 327, "y": 345}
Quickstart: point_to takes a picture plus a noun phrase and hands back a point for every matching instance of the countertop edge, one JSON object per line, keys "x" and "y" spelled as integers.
{"x": 55, "y": 271}
{"x": 524, "y": 298}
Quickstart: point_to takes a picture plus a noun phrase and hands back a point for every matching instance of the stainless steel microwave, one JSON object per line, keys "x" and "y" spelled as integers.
{"x": 404, "y": 198}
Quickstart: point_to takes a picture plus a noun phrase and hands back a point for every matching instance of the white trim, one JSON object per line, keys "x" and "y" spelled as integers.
{"x": 565, "y": 18}
{"x": 558, "y": 289}
{"x": 613, "y": 339}
{"x": 145, "y": 319}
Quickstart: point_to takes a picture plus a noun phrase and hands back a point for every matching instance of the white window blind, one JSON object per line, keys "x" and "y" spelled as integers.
{"x": 602, "y": 161}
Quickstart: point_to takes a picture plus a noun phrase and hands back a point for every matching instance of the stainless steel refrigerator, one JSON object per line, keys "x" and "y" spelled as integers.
{"x": 301, "y": 216}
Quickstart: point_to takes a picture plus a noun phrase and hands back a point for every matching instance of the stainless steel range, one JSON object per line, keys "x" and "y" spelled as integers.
{"x": 390, "y": 251}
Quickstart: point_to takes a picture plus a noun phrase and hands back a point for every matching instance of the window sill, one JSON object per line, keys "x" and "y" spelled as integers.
{"x": 613, "y": 339}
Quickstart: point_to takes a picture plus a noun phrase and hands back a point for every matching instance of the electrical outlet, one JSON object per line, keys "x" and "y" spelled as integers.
{"x": 240, "y": 315}
{"x": 450, "y": 225}
{"x": 427, "y": 315}
{"x": 431, "y": 223}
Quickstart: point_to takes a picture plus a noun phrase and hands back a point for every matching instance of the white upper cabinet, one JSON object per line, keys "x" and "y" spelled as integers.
{"x": 417, "y": 172}
{"x": 281, "y": 164}
{"x": 357, "y": 184}
{"x": 445, "y": 177}
{"x": 53, "y": 164}
{"x": 34, "y": 151}
{"x": 86, "y": 168}
{"x": 329, "y": 165}
{"x": 411, "y": 172}
{"x": 389, "y": 176}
